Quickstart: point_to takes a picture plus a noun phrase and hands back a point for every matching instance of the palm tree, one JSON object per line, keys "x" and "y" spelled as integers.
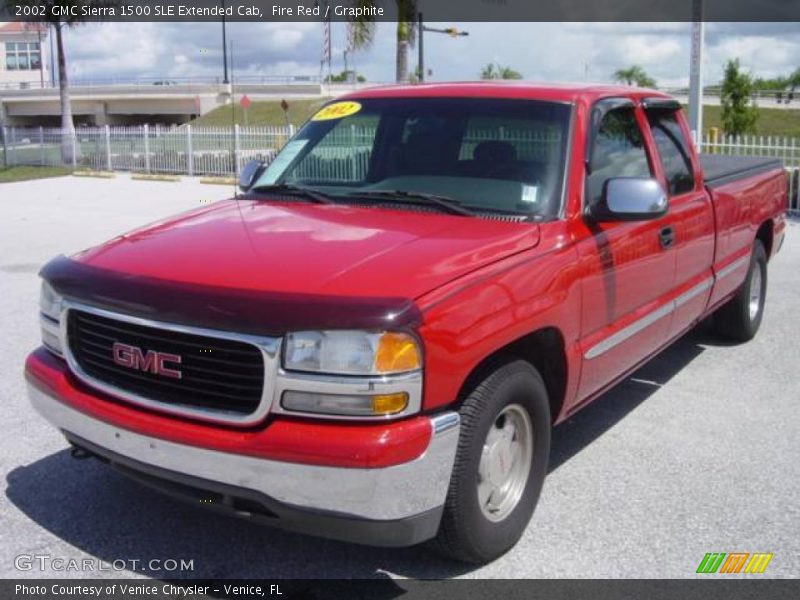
{"x": 489, "y": 72}
{"x": 634, "y": 75}
{"x": 58, "y": 23}
{"x": 492, "y": 71}
{"x": 361, "y": 32}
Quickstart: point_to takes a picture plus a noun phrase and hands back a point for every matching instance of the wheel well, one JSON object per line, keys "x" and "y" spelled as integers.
{"x": 765, "y": 233}
{"x": 544, "y": 349}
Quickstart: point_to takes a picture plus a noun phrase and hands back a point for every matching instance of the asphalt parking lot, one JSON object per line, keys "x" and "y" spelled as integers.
{"x": 697, "y": 452}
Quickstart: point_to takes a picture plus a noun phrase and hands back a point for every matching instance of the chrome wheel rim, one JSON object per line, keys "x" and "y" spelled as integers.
{"x": 755, "y": 292}
{"x": 505, "y": 463}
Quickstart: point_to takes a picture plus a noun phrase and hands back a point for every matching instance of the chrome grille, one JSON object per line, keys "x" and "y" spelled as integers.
{"x": 216, "y": 374}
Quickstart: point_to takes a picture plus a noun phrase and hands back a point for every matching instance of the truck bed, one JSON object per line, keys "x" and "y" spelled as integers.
{"x": 720, "y": 169}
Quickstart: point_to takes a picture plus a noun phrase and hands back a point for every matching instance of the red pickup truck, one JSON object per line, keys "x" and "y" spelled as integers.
{"x": 373, "y": 340}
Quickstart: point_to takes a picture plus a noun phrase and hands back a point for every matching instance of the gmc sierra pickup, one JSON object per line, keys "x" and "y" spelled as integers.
{"x": 374, "y": 339}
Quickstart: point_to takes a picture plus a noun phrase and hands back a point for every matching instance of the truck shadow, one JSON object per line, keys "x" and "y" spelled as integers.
{"x": 103, "y": 514}
{"x": 585, "y": 426}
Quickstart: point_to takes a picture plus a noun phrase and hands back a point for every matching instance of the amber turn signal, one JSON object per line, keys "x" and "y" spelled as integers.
{"x": 389, "y": 404}
{"x": 397, "y": 352}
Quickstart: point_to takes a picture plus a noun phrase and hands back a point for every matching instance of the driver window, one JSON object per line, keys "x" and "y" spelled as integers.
{"x": 618, "y": 152}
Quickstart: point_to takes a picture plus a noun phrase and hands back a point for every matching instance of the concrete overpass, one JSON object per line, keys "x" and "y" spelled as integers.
{"x": 149, "y": 102}
{"x": 169, "y": 101}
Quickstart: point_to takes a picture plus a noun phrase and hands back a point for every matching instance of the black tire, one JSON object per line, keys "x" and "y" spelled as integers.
{"x": 734, "y": 320}
{"x": 465, "y": 533}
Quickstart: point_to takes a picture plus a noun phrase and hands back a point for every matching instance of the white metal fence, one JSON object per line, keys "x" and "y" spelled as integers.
{"x": 793, "y": 175}
{"x": 191, "y": 150}
{"x": 786, "y": 149}
{"x": 183, "y": 150}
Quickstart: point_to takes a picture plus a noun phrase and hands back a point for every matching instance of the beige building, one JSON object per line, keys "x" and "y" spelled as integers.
{"x": 23, "y": 56}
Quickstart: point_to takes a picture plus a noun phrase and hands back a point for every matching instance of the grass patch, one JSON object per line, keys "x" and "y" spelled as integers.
{"x": 771, "y": 121}
{"x": 24, "y": 173}
{"x": 261, "y": 113}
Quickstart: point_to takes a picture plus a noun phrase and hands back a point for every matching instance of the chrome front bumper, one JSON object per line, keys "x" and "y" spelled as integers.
{"x": 394, "y": 493}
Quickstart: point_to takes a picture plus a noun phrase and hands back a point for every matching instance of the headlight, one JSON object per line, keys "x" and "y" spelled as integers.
{"x": 351, "y": 352}
{"x": 50, "y": 306}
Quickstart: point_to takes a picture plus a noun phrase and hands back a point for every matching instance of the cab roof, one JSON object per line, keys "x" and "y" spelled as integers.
{"x": 554, "y": 92}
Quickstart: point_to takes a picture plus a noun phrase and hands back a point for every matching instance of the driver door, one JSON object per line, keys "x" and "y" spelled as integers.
{"x": 628, "y": 268}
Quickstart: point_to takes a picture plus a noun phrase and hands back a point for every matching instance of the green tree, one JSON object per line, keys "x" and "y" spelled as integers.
{"x": 773, "y": 83}
{"x": 634, "y": 75}
{"x": 739, "y": 115}
{"x": 794, "y": 78}
{"x": 342, "y": 77}
{"x": 362, "y": 33}
{"x": 493, "y": 71}
{"x": 65, "y": 19}
{"x": 780, "y": 82}
{"x": 489, "y": 72}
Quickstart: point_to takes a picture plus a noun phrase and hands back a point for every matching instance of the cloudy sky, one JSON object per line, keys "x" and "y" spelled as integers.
{"x": 540, "y": 51}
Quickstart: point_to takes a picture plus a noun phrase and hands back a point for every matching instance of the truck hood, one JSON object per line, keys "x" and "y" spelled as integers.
{"x": 302, "y": 248}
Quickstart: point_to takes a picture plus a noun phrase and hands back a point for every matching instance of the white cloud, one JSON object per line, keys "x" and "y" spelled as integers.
{"x": 543, "y": 51}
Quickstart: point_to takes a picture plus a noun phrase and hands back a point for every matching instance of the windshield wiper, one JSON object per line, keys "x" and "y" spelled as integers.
{"x": 289, "y": 189}
{"x": 444, "y": 202}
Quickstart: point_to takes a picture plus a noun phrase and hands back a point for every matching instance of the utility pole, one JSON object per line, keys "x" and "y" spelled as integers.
{"x": 421, "y": 29}
{"x": 696, "y": 73}
{"x": 224, "y": 49}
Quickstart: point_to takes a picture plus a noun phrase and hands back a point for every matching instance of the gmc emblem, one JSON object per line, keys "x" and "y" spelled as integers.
{"x": 150, "y": 361}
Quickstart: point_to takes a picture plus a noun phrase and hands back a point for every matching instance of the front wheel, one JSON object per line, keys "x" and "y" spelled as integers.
{"x": 500, "y": 465}
{"x": 740, "y": 318}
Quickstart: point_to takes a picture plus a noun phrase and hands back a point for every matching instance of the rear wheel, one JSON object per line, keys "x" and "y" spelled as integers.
{"x": 740, "y": 318}
{"x": 500, "y": 465}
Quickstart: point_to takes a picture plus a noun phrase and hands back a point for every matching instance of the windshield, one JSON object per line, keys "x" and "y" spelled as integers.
{"x": 486, "y": 154}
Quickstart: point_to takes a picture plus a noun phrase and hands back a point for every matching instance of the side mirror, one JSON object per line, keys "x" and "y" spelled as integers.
{"x": 250, "y": 174}
{"x": 630, "y": 199}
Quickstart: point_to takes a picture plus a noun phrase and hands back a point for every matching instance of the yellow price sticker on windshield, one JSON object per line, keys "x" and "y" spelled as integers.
{"x": 337, "y": 110}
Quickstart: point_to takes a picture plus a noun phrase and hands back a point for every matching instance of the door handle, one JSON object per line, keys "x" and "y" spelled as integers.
{"x": 666, "y": 236}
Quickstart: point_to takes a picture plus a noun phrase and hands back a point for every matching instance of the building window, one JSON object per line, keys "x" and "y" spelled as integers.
{"x": 23, "y": 56}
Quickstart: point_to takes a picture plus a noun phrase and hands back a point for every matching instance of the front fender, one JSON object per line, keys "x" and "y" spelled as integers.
{"x": 468, "y": 320}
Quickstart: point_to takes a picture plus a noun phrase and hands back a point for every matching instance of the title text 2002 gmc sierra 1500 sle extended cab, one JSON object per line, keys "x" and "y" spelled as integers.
{"x": 373, "y": 341}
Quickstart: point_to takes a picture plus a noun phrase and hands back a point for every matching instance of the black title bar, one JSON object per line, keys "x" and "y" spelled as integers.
{"x": 389, "y": 589}
{"x": 386, "y": 10}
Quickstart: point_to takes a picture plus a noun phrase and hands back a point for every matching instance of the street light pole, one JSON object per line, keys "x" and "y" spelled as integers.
{"x": 224, "y": 48}
{"x": 421, "y": 29}
{"x": 696, "y": 73}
